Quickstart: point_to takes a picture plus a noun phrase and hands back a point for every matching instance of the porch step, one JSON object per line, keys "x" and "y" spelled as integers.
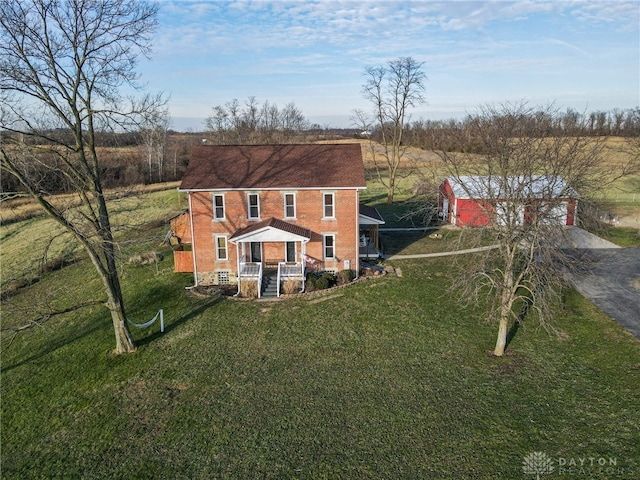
{"x": 269, "y": 286}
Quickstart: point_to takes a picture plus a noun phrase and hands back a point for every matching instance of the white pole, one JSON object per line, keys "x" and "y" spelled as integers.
{"x": 161, "y": 321}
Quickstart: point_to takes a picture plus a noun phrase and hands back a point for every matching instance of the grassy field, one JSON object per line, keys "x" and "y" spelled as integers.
{"x": 386, "y": 378}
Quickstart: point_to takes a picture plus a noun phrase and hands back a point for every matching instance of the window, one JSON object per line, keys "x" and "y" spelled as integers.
{"x": 328, "y": 203}
{"x": 218, "y": 207}
{"x": 221, "y": 248}
{"x": 223, "y": 278}
{"x": 329, "y": 243}
{"x": 289, "y": 205}
{"x": 254, "y": 206}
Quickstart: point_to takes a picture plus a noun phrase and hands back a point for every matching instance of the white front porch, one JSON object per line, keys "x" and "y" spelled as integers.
{"x": 271, "y": 251}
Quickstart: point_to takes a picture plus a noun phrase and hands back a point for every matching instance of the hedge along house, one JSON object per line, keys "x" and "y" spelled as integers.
{"x": 478, "y": 201}
{"x": 269, "y": 212}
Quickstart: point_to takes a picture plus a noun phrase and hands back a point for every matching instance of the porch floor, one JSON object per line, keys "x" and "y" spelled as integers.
{"x": 369, "y": 251}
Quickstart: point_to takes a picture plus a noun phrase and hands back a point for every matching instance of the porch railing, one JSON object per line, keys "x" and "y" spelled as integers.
{"x": 290, "y": 271}
{"x": 250, "y": 270}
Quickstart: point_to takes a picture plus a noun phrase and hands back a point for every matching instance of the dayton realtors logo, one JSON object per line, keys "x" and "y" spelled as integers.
{"x": 539, "y": 463}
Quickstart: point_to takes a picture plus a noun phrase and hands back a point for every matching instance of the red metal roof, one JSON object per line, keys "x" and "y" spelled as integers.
{"x": 224, "y": 167}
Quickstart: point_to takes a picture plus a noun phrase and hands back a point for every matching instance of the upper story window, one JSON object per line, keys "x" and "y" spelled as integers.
{"x": 328, "y": 203}
{"x": 218, "y": 207}
{"x": 254, "y": 206}
{"x": 289, "y": 205}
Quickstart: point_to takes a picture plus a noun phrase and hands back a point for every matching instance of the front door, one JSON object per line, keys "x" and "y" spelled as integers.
{"x": 256, "y": 252}
{"x": 291, "y": 252}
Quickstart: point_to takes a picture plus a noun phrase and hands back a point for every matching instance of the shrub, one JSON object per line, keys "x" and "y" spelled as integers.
{"x": 345, "y": 276}
{"x": 146, "y": 258}
{"x": 249, "y": 289}
{"x": 290, "y": 286}
{"x": 320, "y": 281}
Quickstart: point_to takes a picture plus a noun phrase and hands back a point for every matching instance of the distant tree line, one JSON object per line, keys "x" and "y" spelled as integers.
{"x": 437, "y": 134}
{"x": 151, "y": 155}
{"x": 155, "y": 153}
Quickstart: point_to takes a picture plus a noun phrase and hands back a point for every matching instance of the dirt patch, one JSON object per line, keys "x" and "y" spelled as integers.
{"x": 324, "y": 299}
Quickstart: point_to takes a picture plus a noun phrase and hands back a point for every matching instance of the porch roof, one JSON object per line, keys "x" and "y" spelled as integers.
{"x": 370, "y": 215}
{"x": 271, "y": 230}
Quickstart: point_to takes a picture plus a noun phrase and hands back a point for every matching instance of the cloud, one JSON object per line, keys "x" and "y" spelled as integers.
{"x": 570, "y": 46}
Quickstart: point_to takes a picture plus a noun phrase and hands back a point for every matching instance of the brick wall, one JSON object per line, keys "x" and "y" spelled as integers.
{"x": 309, "y": 214}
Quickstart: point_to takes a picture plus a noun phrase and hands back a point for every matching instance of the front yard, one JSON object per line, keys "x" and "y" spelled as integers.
{"x": 383, "y": 379}
{"x": 386, "y": 378}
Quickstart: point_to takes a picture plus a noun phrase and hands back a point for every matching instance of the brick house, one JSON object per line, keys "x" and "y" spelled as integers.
{"x": 262, "y": 212}
{"x": 476, "y": 201}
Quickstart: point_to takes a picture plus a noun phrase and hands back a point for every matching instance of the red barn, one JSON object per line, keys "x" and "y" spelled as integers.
{"x": 478, "y": 201}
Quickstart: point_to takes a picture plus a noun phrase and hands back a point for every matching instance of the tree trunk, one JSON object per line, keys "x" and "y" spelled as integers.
{"x": 505, "y": 307}
{"x": 111, "y": 279}
{"x": 501, "y": 343}
{"x": 124, "y": 340}
{"x": 391, "y": 188}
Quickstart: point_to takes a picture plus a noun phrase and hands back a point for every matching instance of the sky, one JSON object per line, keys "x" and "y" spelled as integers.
{"x": 583, "y": 55}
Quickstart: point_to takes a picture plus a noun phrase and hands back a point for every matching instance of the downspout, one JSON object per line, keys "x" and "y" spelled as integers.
{"x": 193, "y": 244}
{"x": 303, "y": 257}
{"x": 357, "y": 262}
{"x": 238, "y": 269}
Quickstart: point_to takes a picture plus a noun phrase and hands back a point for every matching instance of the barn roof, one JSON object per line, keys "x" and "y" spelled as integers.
{"x": 494, "y": 187}
{"x": 225, "y": 167}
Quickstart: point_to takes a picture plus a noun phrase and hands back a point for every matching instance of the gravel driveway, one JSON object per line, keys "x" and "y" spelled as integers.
{"x": 610, "y": 279}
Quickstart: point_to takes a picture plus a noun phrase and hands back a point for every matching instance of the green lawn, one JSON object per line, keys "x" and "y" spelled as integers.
{"x": 386, "y": 378}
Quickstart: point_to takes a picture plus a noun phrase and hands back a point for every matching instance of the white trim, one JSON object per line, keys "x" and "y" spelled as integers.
{"x": 324, "y": 246}
{"x": 357, "y": 259}
{"x": 226, "y": 248}
{"x": 295, "y": 251}
{"x": 249, "y": 195}
{"x": 333, "y": 205}
{"x": 366, "y": 220}
{"x": 295, "y": 210}
{"x": 224, "y": 207}
{"x": 269, "y": 234}
{"x": 251, "y": 252}
{"x": 193, "y": 243}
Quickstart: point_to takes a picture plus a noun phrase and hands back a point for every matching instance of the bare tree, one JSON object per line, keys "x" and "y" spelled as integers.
{"x": 232, "y": 124}
{"x": 520, "y": 182}
{"x": 62, "y": 64}
{"x": 154, "y": 139}
{"x": 393, "y": 90}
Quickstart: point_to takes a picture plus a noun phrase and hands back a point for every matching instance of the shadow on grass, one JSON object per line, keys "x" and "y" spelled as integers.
{"x": 516, "y": 325}
{"x": 68, "y": 339}
{"x": 512, "y": 332}
{"x": 188, "y": 316}
{"x": 395, "y": 242}
{"x": 53, "y": 346}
